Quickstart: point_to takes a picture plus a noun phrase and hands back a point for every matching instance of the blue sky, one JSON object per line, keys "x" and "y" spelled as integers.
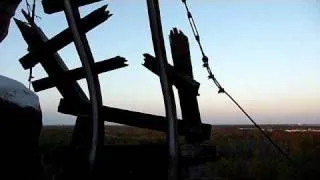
{"x": 265, "y": 53}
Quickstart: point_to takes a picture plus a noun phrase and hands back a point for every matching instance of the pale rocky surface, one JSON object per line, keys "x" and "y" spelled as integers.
{"x": 20, "y": 127}
{"x": 15, "y": 92}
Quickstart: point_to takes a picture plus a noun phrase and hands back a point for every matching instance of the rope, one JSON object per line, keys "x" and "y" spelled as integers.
{"x": 30, "y": 77}
{"x": 33, "y": 10}
{"x": 28, "y": 7}
{"x": 211, "y": 76}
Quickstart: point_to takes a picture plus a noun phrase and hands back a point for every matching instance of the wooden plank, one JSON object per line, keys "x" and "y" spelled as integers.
{"x": 79, "y": 73}
{"x": 181, "y": 81}
{"x": 65, "y": 37}
{"x": 53, "y": 6}
{"x": 182, "y": 64}
{"x": 137, "y": 119}
{"x": 54, "y": 65}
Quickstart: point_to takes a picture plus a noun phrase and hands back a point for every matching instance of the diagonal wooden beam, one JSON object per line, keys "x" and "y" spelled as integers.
{"x": 65, "y": 37}
{"x": 52, "y": 62}
{"x": 78, "y": 73}
{"x": 180, "y": 80}
{"x": 54, "y": 65}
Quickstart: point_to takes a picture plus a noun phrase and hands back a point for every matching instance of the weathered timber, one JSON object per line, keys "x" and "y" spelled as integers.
{"x": 54, "y": 65}
{"x": 137, "y": 119}
{"x": 180, "y": 80}
{"x": 79, "y": 73}
{"x": 182, "y": 64}
{"x": 52, "y": 62}
{"x": 65, "y": 37}
{"x": 53, "y": 6}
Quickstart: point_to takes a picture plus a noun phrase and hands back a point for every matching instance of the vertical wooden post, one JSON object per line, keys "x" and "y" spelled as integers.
{"x": 182, "y": 64}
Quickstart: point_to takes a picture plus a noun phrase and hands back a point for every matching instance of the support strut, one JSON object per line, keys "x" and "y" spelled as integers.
{"x": 82, "y": 46}
{"x": 170, "y": 107}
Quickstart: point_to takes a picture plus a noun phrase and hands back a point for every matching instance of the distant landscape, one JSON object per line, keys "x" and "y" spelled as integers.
{"x": 241, "y": 151}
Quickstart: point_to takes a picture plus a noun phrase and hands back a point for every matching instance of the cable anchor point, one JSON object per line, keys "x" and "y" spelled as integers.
{"x": 221, "y": 90}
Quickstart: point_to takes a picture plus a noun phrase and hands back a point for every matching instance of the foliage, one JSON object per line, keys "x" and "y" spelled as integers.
{"x": 241, "y": 154}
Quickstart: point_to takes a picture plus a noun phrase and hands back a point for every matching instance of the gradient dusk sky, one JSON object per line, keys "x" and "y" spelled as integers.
{"x": 264, "y": 53}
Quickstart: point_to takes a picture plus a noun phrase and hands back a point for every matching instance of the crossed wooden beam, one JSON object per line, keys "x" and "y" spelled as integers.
{"x": 44, "y": 51}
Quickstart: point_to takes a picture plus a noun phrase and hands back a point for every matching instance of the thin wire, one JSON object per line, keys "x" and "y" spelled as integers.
{"x": 32, "y": 13}
{"x": 33, "y": 10}
{"x": 30, "y": 77}
{"x": 205, "y": 60}
{"x": 262, "y": 131}
{"x": 28, "y": 7}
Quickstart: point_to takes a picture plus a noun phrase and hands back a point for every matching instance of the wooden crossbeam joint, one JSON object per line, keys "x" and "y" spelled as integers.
{"x": 180, "y": 80}
{"x": 63, "y": 38}
{"x": 53, "y": 64}
{"x": 182, "y": 64}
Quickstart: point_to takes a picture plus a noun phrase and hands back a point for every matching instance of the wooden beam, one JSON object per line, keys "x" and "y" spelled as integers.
{"x": 53, "y": 6}
{"x": 52, "y": 62}
{"x": 137, "y": 119}
{"x": 54, "y": 65}
{"x": 182, "y": 64}
{"x": 180, "y": 80}
{"x": 64, "y": 38}
{"x": 77, "y": 74}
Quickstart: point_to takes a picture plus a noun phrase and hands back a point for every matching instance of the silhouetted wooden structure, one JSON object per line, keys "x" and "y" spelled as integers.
{"x": 44, "y": 51}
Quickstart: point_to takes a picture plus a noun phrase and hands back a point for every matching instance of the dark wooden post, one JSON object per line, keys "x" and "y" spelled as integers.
{"x": 182, "y": 64}
{"x": 54, "y": 65}
{"x": 64, "y": 38}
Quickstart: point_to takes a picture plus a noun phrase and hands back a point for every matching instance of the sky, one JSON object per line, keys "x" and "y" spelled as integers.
{"x": 264, "y": 53}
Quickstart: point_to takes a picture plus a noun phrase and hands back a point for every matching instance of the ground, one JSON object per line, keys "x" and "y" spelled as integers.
{"x": 241, "y": 152}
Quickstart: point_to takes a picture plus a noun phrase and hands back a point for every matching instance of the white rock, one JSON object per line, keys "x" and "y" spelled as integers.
{"x": 15, "y": 92}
